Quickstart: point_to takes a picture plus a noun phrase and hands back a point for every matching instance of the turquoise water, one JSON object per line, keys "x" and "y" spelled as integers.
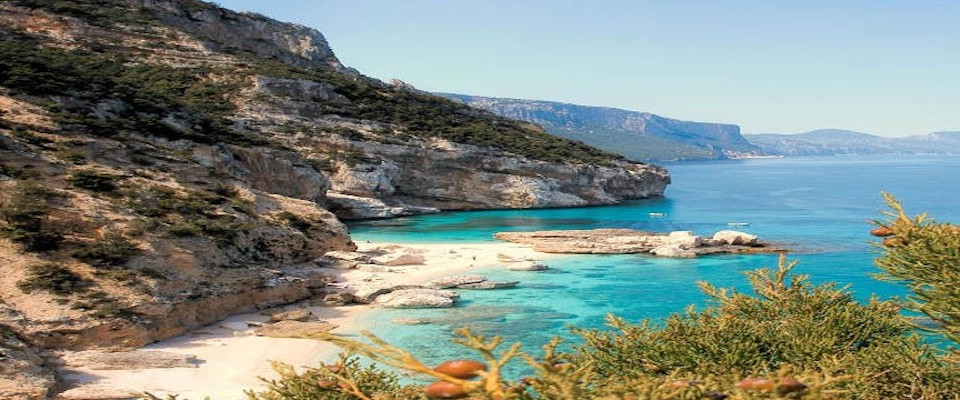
{"x": 817, "y": 206}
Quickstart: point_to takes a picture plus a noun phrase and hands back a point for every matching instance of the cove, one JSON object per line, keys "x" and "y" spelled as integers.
{"x": 819, "y": 207}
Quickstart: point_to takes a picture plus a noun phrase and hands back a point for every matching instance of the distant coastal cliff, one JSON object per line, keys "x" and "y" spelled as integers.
{"x": 636, "y": 135}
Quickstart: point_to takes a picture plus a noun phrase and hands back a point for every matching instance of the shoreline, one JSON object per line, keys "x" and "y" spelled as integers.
{"x": 228, "y": 358}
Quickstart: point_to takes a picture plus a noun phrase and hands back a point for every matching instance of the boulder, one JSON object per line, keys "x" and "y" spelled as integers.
{"x": 684, "y": 239}
{"x": 294, "y": 329}
{"x": 348, "y": 207}
{"x": 527, "y": 266}
{"x": 301, "y": 315}
{"x": 367, "y": 292}
{"x": 337, "y": 299}
{"x": 400, "y": 258}
{"x": 672, "y": 251}
{"x": 594, "y": 241}
{"x": 735, "y": 238}
{"x": 489, "y": 285}
{"x": 418, "y": 298}
{"x": 447, "y": 282}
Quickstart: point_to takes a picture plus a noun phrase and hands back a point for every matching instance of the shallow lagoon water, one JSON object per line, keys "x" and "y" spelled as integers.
{"x": 819, "y": 207}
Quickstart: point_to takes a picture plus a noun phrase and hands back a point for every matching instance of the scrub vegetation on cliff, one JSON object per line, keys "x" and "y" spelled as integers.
{"x": 201, "y": 96}
{"x": 789, "y": 339}
{"x": 166, "y": 163}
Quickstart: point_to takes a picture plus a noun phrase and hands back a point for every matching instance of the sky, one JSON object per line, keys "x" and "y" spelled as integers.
{"x": 886, "y": 67}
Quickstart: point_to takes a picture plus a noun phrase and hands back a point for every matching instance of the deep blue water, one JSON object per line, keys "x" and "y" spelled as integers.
{"x": 818, "y": 206}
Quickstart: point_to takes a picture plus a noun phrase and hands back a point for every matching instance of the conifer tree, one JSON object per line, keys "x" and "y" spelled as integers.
{"x": 925, "y": 256}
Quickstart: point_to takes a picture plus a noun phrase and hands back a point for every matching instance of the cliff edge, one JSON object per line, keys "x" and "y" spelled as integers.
{"x": 167, "y": 163}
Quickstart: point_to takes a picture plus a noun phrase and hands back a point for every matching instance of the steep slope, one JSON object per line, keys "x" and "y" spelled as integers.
{"x": 165, "y": 163}
{"x": 824, "y": 142}
{"x": 636, "y": 135}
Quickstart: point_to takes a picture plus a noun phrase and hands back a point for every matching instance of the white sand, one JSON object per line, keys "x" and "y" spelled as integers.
{"x": 232, "y": 360}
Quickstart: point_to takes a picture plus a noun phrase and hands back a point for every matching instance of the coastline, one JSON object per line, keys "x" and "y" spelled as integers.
{"x": 229, "y": 359}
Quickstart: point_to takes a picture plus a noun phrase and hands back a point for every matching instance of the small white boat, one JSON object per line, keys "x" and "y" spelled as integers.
{"x": 658, "y": 214}
{"x": 738, "y": 224}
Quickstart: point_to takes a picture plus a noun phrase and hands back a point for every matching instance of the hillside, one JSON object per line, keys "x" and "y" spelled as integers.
{"x": 166, "y": 163}
{"x": 635, "y": 135}
{"x": 828, "y": 142}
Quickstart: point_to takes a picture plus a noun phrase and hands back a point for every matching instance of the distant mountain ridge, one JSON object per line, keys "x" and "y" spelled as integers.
{"x": 825, "y": 142}
{"x": 636, "y": 135}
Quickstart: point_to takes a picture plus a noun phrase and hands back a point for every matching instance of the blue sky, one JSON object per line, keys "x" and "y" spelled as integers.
{"x": 885, "y": 67}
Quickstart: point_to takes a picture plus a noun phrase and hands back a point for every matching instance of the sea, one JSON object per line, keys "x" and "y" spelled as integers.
{"x": 820, "y": 208}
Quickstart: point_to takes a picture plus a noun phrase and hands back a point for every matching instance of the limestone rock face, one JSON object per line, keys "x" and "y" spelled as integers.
{"x": 358, "y": 207}
{"x": 684, "y": 239}
{"x": 224, "y": 29}
{"x": 418, "y": 298}
{"x": 24, "y": 375}
{"x": 450, "y": 176}
{"x": 735, "y": 237}
{"x": 637, "y": 135}
{"x": 222, "y": 229}
{"x": 269, "y": 170}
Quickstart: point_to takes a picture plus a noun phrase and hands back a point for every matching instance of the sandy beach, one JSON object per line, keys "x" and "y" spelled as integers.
{"x": 230, "y": 359}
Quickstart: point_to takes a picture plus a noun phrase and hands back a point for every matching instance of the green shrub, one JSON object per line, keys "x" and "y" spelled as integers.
{"x": 24, "y": 212}
{"x": 304, "y": 385}
{"x": 195, "y": 213}
{"x": 27, "y": 137}
{"x": 150, "y": 93}
{"x": 925, "y": 256}
{"x": 72, "y": 155}
{"x": 96, "y": 12}
{"x": 225, "y": 190}
{"x": 92, "y": 180}
{"x": 21, "y": 173}
{"x": 113, "y": 249}
{"x": 53, "y": 278}
{"x": 99, "y": 304}
{"x": 297, "y": 222}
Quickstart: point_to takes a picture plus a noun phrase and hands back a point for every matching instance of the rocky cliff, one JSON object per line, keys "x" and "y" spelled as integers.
{"x": 377, "y": 171}
{"x": 829, "y": 142}
{"x": 636, "y": 135}
{"x": 166, "y": 163}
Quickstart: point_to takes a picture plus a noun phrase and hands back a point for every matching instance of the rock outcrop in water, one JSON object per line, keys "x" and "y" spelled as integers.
{"x": 679, "y": 244}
